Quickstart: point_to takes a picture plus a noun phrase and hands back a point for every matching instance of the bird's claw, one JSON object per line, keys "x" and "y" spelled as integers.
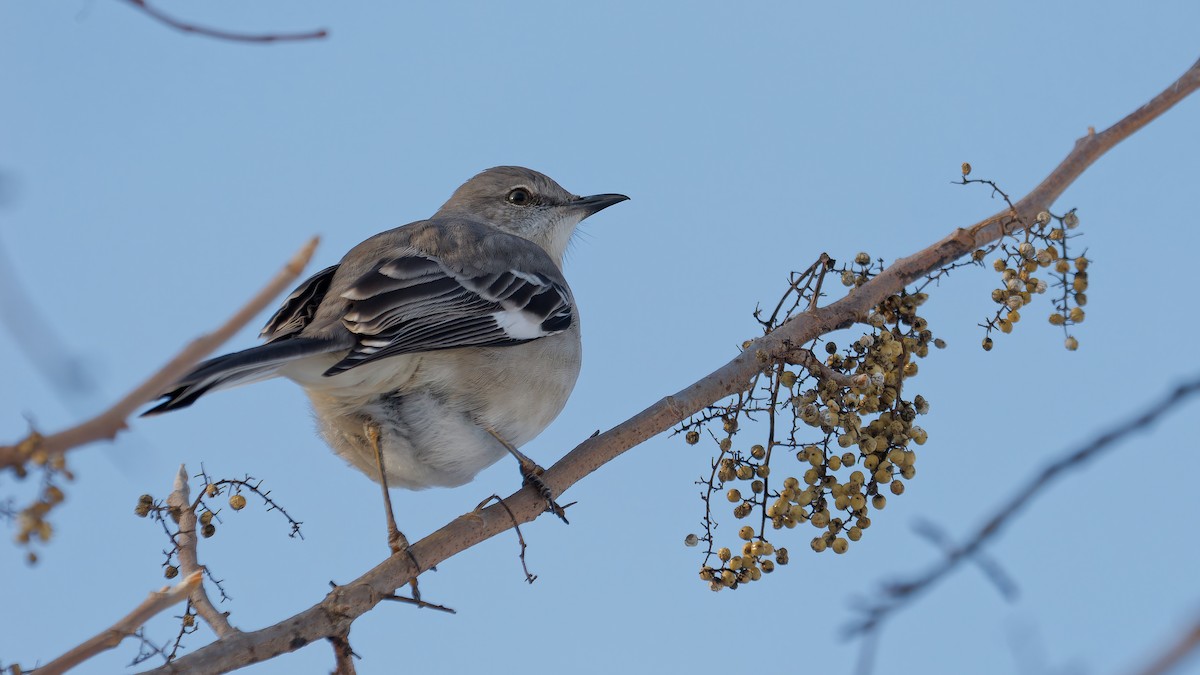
{"x": 533, "y": 476}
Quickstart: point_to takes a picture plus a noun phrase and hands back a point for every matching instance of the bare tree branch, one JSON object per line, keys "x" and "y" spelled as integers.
{"x": 109, "y": 423}
{"x": 189, "y": 562}
{"x": 112, "y": 636}
{"x": 333, "y": 615}
{"x": 220, "y": 34}
{"x": 343, "y": 654}
{"x": 899, "y": 594}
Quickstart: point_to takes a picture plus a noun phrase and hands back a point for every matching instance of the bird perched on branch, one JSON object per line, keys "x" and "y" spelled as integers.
{"x": 432, "y": 349}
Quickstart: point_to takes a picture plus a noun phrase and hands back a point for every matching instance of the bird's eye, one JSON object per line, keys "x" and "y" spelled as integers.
{"x": 520, "y": 197}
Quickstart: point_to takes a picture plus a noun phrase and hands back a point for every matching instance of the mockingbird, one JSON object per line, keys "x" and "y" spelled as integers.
{"x": 432, "y": 349}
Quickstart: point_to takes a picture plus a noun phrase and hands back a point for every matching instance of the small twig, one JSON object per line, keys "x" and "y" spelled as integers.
{"x": 220, "y": 34}
{"x": 421, "y": 604}
{"x": 189, "y": 562}
{"x": 254, "y": 485}
{"x": 187, "y": 626}
{"x": 112, "y": 636}
{"x": 107, "y": 424}
{"x": 798, "y": 356}
{"x": 530, "y": 578}
{"x": 901, "y": 593}
{"x": 343, "y": 654}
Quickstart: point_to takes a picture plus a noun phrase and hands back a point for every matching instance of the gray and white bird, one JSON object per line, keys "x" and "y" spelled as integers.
{"x": 434, "y": 348}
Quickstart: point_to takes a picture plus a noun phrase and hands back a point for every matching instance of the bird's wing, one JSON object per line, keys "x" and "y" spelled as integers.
{"x": 299, "y": 307}
{"x": 416, "y": 303}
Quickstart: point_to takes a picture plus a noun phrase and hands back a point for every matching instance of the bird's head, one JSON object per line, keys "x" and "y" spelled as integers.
{"x": 526, "y": 203}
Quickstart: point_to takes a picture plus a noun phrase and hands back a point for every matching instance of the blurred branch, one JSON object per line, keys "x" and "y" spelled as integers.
{"x": 333, "y": 616}
{"x": 898, "y": 594}
{"x": 219, "y": 34}
{"x": 65, "y": 371}
{"x": 111, "y": 637}
{"x": 107, "y": 424}
{"x": 1184, "y": 647}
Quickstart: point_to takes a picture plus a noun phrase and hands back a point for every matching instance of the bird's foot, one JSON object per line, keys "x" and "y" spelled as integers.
{"x": 531, "y": 474}
{"x": 398, "y": 543}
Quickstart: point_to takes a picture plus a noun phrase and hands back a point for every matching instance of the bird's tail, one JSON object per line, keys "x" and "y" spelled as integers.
{"x": 231, "y": 370}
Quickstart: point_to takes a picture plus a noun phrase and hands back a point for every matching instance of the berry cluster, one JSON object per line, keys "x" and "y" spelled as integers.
{"x": 864, "y": 429}
{"x": 206, "y": 516}
{"x": 33, "y": 523}
{"x": 1043, "y": 247}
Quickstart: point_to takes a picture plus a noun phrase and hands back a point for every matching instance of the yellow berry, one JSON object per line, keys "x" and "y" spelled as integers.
{"x": 746, "y": 532}
{"x": 734, "y": 495}
{"x": 840, "y": 545}
{"x": 237, "y": 502}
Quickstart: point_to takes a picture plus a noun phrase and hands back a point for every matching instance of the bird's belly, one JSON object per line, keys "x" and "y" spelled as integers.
{"x": 440, "y": 413}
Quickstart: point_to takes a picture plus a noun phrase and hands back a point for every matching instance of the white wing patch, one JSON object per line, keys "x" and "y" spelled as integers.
{"x": 520, "y": 325}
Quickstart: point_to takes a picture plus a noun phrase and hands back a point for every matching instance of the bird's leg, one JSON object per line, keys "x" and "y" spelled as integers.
{"x": 532, "y": 474}
{"x": 396, "y": 540}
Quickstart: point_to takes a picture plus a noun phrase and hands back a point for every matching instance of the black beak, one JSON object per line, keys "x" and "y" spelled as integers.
{"x": 595, "y": 203}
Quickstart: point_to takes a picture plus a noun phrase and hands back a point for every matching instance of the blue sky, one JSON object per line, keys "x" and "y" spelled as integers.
{"x": 153, "y": 180}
